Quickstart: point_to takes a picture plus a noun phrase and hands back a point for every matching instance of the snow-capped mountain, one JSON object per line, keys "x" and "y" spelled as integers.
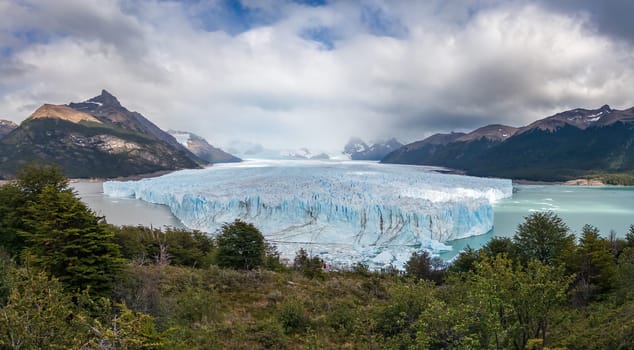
{"x": 250, "y": 150}
{"x": 357, "y": 149}
{"x": 6, "y": 126}
{"x": 568, "y": 145}
{"x": 201, "y": 148}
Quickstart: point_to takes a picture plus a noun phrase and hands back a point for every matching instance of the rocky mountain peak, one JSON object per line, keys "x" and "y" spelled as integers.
{"x": 357, "y": 149}
{"x": 7, "y": 123}
{"x": 105, "y": 99}
{"x": 6, "y": 126}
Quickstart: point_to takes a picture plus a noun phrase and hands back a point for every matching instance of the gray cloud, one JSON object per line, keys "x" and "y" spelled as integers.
{"x": 611, "y": 17}
{"x": 405, "y": 69}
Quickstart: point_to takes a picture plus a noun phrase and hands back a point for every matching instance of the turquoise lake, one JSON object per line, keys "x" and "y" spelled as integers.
{"x": 606, "y": 207}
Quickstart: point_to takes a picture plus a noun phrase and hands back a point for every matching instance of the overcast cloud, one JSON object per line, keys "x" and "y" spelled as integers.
{"x": 290, "y": 74}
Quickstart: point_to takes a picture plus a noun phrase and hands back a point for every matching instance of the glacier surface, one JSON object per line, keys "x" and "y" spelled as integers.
{"x": 345, "y": 212}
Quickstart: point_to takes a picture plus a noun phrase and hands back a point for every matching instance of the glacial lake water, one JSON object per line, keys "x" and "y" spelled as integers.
{"x": 124, "y": 211}
{"x": 606, "y": 207}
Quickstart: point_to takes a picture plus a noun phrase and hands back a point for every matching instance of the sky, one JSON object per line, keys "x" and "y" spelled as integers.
{"x": 312, "y": 73}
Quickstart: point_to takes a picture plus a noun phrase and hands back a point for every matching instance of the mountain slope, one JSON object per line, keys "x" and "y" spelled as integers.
{"x": 564, "y": 146}
{"x": 107, "y": 109}
{"x": 6, "y": 126}
{"x": 87, "y": 145}
{"x": 455, "y": 150}
{"x": 357, "y": 149}
{"x": 202, "y": 149}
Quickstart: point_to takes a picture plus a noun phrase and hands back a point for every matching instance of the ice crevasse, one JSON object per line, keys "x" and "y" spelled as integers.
{"x": 346, "y": 212}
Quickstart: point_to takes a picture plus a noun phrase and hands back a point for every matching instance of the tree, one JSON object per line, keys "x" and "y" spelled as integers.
{"x": 629, "y": 237}
{"x": 625, "y": 276}
{"x": 515, "y": 302}
{"x": 39, "y": 315}
{"x": 595, "y": 266}
{"x": 422, "y": 265}
{"x": 465, "y": 261}
{"x": 310, "y": 266}
{"x": 240, "y": 246}
{"x": 67, "y": 240}
{"x": 33, "y": 178}
{"x": 11, "y": 205}
{"x": 125, "y": 329}
{"x": 500, "y": 245}
{"x": 15, "y": 197}
{"x": 543, "y": 236}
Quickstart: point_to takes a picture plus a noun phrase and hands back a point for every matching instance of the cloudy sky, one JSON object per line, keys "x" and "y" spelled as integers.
{"x": 312, "y": 73}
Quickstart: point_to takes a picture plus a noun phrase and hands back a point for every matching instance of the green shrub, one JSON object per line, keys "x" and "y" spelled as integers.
{"x": 241, "y": 246}
{"x": 293, "y": 317}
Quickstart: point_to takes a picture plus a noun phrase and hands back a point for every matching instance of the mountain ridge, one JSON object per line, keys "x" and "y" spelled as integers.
{"x": 201, "y": 148}
{"x": 95, "y": 138}
{"x": 6, "y": 126}
{"x": 357, "y": 149}
{"x": 564, "y": 146}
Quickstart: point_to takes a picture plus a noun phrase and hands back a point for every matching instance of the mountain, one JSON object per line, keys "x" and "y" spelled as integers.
{"x": 95, "y": 138}
{"x": 454, "y": 150}
{"x": 568, "y": 145}
{"x": 250, "y": 150}
{"x": 357, "y": 149}
{"x": 107, "y": 109}
{"x": 202, "y": 149}
{"x": 6, "y": 126}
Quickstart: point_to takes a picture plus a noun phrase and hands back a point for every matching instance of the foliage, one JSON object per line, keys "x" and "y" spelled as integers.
{"x": 594, "y": 264}
{"x": 240, "y": 246}
{"x": 16, "y": 197}
{"x": 11, "y": 213}
{"x": 293, "y": 317}
{"x": 7, "y": 267}
{"x": 629, "y": 237}
{"x": 310, "y": 266}
{"x": 516, "y": 303}
{"x": 34, "y": 178}
{"x": 500, "y": 245}
{"x": 625, "y": 276}
{"x": 542, "y": 236}
{"x": 173, "y": 296}
{"x": 397, "y": 319}
{"x": 146, "y": 245}
{"x": 465, "y": 261}
{"x": 66, "y": 239}
{"x": 423, "y": 266}
{"x": 39, "y": 315}
{"x": 126, "y": 329}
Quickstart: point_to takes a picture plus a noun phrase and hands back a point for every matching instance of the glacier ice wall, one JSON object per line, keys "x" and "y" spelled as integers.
{"x": 344, "y": 211}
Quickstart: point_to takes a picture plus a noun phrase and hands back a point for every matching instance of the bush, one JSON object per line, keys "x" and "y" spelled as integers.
{"x": 181, "y": 247}
{"x": 310, "y": 266}
{"x": 241, "y": 246}
{"x": 293, "y": 317}
{"x": 422, "y": 265}
{"x": 543, "y": 236}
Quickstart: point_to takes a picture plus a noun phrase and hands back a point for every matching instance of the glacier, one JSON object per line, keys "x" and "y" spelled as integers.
{"x": 343, "y": 211}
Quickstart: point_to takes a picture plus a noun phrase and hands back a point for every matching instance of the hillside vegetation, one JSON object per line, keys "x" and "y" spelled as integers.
{"x": 70, "y": 280}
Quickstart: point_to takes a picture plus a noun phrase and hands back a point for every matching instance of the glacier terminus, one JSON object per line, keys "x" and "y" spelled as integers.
{"x": 343, "y": 211}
